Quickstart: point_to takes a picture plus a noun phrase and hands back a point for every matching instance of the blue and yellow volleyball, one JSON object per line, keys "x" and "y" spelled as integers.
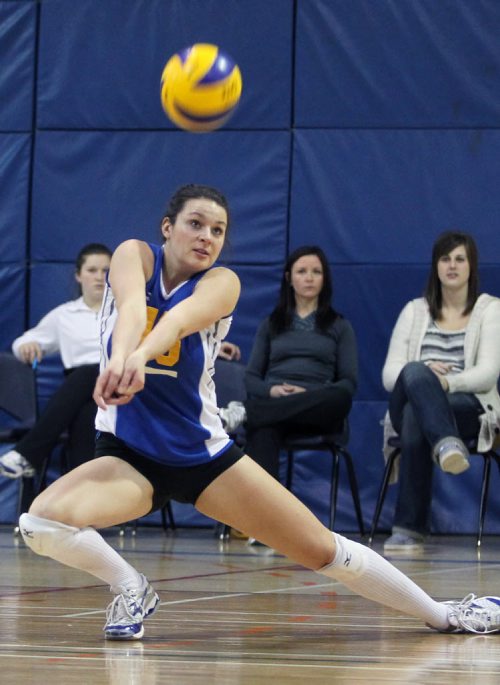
{"x": 200, "y": 88}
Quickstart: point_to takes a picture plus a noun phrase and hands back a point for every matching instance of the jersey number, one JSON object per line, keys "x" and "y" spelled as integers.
{"x": 171, "y": 357}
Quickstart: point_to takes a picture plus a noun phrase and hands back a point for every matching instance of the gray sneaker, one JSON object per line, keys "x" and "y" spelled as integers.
{"x": 14, "y": 465}
{"x": 125, "y": 614}
{"x": 452, "y": 456}
{"x": 404, "y": 542}
{"x": 474, "y": 615}
{"x": 233, "y": 416}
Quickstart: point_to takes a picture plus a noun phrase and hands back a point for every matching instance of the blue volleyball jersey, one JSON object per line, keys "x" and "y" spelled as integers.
{"x": 174, "y": 419}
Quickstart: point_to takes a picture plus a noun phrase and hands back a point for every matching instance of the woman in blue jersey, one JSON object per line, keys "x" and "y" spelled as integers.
{"x": 161, "y": 437}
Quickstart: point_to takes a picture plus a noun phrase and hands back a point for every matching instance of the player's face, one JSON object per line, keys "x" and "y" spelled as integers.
{"x": 454, "y": 269}
{"x": 197, "y": 237}
{"x": 307, "y": 277}
{"x": 92, "y": 277}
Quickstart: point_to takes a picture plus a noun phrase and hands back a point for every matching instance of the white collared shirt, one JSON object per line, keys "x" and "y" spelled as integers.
{"x": 71, "y": 330}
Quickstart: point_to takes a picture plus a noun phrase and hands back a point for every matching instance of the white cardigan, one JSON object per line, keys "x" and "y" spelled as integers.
{"x": 482, "y": 360}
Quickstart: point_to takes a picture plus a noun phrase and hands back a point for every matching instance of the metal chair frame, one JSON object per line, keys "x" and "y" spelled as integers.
{"x": 334, "y": 443}
{"x": 488, "y": 457}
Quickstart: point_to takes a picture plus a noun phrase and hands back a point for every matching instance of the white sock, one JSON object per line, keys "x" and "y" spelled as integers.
{"x": 368, "y": 574}
{"x": 81, "y": 548}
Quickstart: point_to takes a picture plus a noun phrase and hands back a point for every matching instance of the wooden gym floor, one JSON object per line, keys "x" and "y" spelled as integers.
{"x": 231, "y": 615}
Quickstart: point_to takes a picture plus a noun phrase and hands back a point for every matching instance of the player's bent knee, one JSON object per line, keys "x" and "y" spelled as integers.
{"x": 42, "y": 535}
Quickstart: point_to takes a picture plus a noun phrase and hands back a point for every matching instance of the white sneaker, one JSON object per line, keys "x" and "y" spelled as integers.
{"x": 125, "y": 614}
{"x": 474, "y": 615}
{"x": 452, "y": 455}
{"x": 401, "y": 543}
{"x": 14, "y": 465}
{"x": 233, "y": 416}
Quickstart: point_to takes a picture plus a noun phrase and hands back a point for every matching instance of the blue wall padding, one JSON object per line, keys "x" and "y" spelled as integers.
{"x": 362, "y": 296}
{"x": 114, "y": 185}
{"x": 364, "y": 127}
{"x": 382, "y": 196}
{"x": 17, "y": 60}
{"x": 14, "y": 188}
{"x": 63, "y": 287}
{"x": 12, "y": 296}
{"x": 115, "y": 82}
{"x": 259, "y": 292}
{"x": 397, "y": 64}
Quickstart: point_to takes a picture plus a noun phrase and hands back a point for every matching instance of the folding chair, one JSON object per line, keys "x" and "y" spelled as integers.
{"x": 336, "y": 444}
{"x": 229, "y": 380}
{"x": 18, "y": 412}
{"x": 18, "y": 415}
{"x": 488, "y": 457}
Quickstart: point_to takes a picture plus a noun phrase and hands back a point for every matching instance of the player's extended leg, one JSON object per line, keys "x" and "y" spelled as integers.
{"x": 61, "y": 524}
{"x": 248, "y": 499}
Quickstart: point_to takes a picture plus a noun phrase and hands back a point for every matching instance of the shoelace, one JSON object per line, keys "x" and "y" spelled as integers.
{"x": 121, "y": 608}
{"x": 473, "y": 619}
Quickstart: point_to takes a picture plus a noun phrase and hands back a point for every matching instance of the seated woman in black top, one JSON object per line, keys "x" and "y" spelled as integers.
{"x": 302, "y": 372}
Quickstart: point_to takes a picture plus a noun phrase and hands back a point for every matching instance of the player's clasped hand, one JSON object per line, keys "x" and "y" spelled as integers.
{"x": 285, "y": 389}
{"x": 119, "y": 381}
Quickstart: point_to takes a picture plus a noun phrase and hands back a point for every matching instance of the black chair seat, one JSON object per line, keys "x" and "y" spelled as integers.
{"x": 14, "y": 434}
{"x": 312, "y": 441}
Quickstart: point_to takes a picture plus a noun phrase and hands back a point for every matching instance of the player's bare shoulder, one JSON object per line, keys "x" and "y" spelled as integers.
{"x": 222, "y": 284}
{"x": 223, "y": 275}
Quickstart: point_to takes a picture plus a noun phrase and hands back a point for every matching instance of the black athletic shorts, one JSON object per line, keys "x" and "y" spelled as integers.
{"x": 180, "y": 483}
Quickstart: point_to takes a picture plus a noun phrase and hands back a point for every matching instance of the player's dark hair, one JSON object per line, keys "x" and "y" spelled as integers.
{"x": 193, "y": 191}
{"x": 443, "y": 245}
{"x": 281, "y": 317}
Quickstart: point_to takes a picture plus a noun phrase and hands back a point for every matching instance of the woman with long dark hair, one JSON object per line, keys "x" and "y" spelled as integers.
{"x": 442, "y": 370}
{"x": 302, "y": 372}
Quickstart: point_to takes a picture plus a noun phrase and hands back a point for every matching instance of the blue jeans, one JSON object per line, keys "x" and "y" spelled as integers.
{"x": 422, "y": 413}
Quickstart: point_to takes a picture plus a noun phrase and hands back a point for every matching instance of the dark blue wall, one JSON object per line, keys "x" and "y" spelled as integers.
{"x": 367, "y": 127}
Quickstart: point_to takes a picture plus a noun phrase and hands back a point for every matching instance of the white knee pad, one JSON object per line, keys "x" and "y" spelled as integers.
{"x": 350, "y": 560}
{"x": 44, "y": 536}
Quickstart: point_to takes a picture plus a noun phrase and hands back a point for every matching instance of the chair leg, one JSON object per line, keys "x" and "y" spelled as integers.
{"x": 484, "y": 495}
{"x": 334, "y": 488}
{"x": 25, "y": 498}
{"x": 222, "y": 531}
{"x": 353, "y": 484}
{"x": 167, "y": 511}
{"x": 382, "y": 493}
{"x": 42, "y": 476}
{"x": 171, "y": 516}
{"x": 289, "y": 470}
{"x": 164, "y": 523}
